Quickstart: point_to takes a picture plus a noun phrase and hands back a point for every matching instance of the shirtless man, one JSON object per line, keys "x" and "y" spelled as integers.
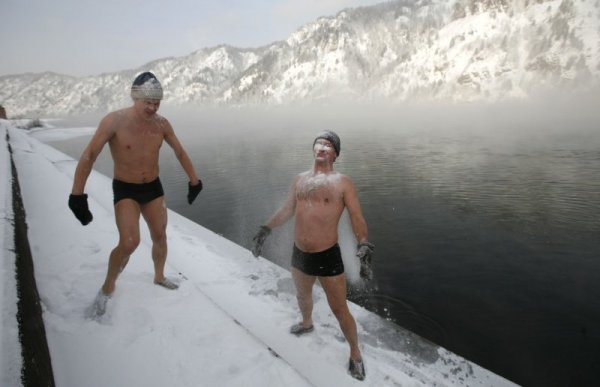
{"x": 134, "y": 136}
{"x": 317, "y": 199}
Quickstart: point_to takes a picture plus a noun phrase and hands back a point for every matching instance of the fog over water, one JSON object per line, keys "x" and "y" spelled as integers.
{"x": 485, "y": 217}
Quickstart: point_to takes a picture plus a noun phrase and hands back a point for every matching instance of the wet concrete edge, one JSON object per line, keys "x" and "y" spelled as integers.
{"x": 37, "y": 366}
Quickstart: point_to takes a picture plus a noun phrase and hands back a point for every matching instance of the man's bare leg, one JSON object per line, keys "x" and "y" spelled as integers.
{"x": 155, "y": 215}
{"x": 304, "y": 284}
{"x": 335, "y": 289}
{"x": 116, "y": 263}
{"x": 127, "y": 215}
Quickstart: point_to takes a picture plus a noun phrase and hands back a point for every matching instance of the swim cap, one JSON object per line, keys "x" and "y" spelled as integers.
{"x": 333, "y": 138}
{"x": 146, "y": 86}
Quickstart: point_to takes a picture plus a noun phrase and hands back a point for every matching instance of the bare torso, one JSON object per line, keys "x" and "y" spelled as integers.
{"x": 135, "y": 146}
{"x": 319, "y": 206}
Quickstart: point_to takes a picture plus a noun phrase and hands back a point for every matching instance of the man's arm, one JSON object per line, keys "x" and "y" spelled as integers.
{"x": 359, "y": 225}
{"x": 78, "y": 199}
{"x": 86, "y": 162}
{"x": 286, "y": 211}
{"x": 281, "y": 216}
{"x": 181, "y": 154}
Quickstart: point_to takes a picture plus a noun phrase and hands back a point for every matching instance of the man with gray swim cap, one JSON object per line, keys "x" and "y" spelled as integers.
{"x": 333, "y": 138}
{"x": 134, "y": 136}
{"x": 317, "y": 199}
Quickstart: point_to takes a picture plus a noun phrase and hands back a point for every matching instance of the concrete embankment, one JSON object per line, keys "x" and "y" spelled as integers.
{"x": 36, "y": 364}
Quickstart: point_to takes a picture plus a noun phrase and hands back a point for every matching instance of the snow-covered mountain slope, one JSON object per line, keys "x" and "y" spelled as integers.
{"x": 198, "y": 77}
{"x": 450, "y": 50}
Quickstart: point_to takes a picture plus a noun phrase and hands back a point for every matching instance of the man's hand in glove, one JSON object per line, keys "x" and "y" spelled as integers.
{"x": 79, "y": 205}
{"x": 259, "y": 240}
{"x": 193, "y": 191}
{"x": 365, "y": 253}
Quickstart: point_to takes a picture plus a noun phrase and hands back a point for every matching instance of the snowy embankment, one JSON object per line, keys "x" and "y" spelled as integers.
{"x": 227, "y": 325}
{"x": 10, "y": 349}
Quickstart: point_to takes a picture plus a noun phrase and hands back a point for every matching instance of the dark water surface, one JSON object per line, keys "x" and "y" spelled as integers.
{"x": 486, "y": 221}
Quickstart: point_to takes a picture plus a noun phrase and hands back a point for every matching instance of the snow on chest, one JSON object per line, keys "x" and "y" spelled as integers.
{"x": 320, "y": 187}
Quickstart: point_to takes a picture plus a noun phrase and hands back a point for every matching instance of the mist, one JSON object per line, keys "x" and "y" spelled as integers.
{"x": 551, "y": 115}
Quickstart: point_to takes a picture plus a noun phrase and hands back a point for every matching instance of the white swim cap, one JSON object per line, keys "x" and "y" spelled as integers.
{"x": 146, "y": 86}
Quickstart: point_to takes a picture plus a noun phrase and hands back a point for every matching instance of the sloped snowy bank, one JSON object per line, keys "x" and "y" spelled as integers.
{"x": 227, "y": 324}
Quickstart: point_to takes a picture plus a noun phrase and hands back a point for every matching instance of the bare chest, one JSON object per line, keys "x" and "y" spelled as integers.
{"x": 137, "y": 139}
{"x": 319, "y": 190}
{"x": 318, "y": 206}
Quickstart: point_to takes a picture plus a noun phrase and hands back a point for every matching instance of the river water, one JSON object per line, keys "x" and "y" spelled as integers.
{"x": 486, "y": 220}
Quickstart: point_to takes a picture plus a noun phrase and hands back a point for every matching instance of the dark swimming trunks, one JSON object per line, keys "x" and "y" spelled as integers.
{"x": 141, "y": 193}
{"x": 322, "y": 264}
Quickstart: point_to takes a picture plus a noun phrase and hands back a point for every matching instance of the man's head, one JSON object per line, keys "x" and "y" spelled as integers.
{"x": 146, "y": 86}
{"x": 333, "y": 138}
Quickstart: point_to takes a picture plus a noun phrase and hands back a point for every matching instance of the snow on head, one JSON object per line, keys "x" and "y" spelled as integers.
{"x": 332, "y": 137}
{"x": 146, "y": 86}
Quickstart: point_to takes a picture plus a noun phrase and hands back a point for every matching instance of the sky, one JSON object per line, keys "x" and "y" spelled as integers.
{"x": 226, "y": 325}
{"x": 85, "y": 37}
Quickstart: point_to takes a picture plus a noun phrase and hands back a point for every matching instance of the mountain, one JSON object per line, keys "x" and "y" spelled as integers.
{"x": 197, "y": 77}
{"x": 463, "y": 50}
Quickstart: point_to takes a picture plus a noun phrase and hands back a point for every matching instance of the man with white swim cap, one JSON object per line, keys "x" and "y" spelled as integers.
{"x": 134, "y": 136}
{"x": 146, "y": 86}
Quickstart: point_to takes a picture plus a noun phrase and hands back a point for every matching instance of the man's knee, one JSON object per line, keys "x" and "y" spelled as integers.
{"x": 339, "y": 307}
{"x": 159, "y": 237}
{"x": 158, "y": 230}
{"x": 340, "y": 311}
{"x": 129, "y": 244}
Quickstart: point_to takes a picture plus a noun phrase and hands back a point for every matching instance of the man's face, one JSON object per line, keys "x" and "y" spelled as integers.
{"x": 148, "y": 106}
{"x": 323, "y": 150}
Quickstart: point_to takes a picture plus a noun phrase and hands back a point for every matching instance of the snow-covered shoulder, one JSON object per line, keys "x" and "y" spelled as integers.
{"x": 227, "y": 324}
{"x": 10, "y": 348}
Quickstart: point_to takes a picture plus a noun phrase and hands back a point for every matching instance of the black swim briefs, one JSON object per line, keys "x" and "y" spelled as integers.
{"x": 322, "y": 264}
{"x": 141, "y": 193}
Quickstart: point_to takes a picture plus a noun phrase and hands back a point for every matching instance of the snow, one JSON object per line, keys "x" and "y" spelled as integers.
{"x": 400, "y": 50}
{"x": 10, "y": 364}
{"x": 227, "y": 324}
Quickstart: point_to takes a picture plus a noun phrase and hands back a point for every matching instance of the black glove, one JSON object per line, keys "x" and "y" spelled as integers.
{"x": 364, "y": 253}
{"x": 259, "y": 239}
{"x": 193, "y": 191}
{"x": 79, "y": 205}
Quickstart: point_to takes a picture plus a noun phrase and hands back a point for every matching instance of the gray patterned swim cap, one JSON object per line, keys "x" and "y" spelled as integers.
{"x": 333, "y": 138}
{"x": 146, "y": 86}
